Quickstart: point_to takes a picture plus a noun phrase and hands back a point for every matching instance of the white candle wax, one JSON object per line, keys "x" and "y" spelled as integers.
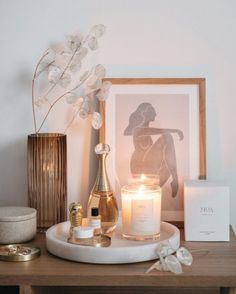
{"x": 141, "y": 211}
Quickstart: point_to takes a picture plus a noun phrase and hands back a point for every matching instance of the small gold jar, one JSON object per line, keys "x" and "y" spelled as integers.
{"x": 76, "y": 216}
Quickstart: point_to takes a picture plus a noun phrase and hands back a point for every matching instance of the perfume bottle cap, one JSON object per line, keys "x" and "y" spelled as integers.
{"x": 94, "y": 211}
{"x": 102, "y": 149}
{"x": 83, "y": 232}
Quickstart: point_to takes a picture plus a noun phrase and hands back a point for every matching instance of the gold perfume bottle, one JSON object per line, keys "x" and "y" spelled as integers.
{"x": 76, "y": 216}
{"x": 102, "y": 195}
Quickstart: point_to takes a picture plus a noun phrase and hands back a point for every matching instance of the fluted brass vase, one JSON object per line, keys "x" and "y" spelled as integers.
{"x": 47, "y": 178}
{"x": 102, "y": 196}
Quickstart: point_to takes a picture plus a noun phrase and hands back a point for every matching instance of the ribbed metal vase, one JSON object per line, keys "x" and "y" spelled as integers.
{"x": 47, "y": 178}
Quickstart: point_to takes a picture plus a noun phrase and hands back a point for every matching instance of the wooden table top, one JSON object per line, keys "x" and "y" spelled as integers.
{"x": 214, "y": 268}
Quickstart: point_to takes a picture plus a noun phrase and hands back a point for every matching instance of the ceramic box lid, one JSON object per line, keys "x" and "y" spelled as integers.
{"x": 16, "y": 213}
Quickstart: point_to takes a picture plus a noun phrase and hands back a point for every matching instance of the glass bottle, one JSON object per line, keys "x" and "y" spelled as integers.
{"x": 95, "y": 221}
{"x": 102, "y": 195}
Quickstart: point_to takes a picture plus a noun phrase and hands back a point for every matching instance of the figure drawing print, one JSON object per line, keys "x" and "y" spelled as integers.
{"x": 153, "y": 147}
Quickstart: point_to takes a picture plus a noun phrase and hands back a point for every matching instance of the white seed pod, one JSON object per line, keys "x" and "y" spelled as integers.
{"x": 73, "y": 42}
{"x": 106, "y": 85}
{"x": 71, "y": 99}
{"x": 54, "y": 74}
{"x": 75, "y": 66}
{"x": 92, "y": 42}
{"x": 65, "y": 80}
{"x": 84, "y": 76}
{"x": 98, "y": 30}
{"x": 62, "y": 59}
{"x": 83, "y": 113}
{"x": 96, "y": 120}
{"x": 81, "y": 53}
{"x": 102, "y": 95}
{"x": 100, "y": 71}
{"x": 40, "y": 101}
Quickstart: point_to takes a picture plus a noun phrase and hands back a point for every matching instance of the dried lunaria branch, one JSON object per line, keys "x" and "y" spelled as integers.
{"x": 65, "y": 73}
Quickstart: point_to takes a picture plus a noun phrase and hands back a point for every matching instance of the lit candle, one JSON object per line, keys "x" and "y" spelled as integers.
{"x": 141, "y": 211}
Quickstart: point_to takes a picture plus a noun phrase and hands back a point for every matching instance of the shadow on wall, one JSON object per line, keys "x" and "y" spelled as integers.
{"x": 15, "y": 121}
{"x": 82, "y": 162}
{"x": 13, "y": 173}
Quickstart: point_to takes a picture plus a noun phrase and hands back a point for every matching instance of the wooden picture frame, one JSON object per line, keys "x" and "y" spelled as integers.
{"x": 169, "y": 94}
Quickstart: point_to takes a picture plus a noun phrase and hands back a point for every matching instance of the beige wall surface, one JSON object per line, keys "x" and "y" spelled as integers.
{"x": 152, "y": 38}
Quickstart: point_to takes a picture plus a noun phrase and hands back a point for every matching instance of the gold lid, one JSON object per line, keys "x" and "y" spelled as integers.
{"x": 18, "y": 252}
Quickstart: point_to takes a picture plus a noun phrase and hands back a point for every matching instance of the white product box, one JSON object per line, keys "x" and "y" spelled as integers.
{"x": 206, "y": 211}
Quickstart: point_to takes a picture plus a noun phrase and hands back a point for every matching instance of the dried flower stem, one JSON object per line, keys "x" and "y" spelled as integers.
{"x": 69, "y": 62}
{"x": 58, "y": 99}
{"x": 59, "y": 78}
{"x": 71, "y": 121}
{"x": 50, "y": 108}
{"x": 42, "y": 70}
{"x": 62, "y": 74}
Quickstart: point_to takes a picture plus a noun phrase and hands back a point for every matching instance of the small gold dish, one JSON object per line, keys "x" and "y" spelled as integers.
{"x": 18, "y": 252}
{"x": 96, "y": 241}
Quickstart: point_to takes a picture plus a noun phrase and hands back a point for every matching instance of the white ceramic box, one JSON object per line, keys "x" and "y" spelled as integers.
{"x": 17, "y": 224}
{"x": 206, "y": 211}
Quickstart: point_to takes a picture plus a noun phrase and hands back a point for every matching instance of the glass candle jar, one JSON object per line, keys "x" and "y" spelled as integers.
{"x": 141, "y": 211}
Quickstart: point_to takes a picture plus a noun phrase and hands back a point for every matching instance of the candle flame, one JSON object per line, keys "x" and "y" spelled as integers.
{"x": 142, "y": 177}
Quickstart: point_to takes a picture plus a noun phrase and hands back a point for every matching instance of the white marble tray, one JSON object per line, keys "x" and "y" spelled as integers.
{"x": 120, "y": 251}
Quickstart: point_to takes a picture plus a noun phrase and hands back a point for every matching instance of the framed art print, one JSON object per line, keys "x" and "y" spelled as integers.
{"x": 156, "y": 127}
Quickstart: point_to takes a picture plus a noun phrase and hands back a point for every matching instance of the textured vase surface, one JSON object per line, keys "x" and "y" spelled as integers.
{"x": 47, "y": 178}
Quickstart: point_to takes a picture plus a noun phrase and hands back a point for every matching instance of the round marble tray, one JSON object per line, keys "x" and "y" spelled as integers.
{"x": 120, "y": 251}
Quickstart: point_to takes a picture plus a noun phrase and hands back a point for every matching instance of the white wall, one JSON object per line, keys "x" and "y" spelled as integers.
{"x": 159, "y": 38}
